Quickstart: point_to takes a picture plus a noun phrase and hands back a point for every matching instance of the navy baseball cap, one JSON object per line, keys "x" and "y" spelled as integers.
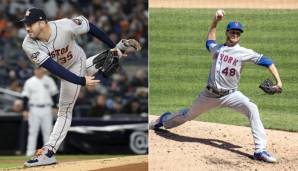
{"x": 33, "y": 15}
{"x": 234, "y": 26}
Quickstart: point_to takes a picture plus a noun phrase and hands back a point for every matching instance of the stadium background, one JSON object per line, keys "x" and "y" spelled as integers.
{"x": 122, "y": 99}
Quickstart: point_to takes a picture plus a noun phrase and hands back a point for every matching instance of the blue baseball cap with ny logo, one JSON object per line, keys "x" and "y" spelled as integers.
{"x": 235, "y": 26}
{"x": 33, "y": 15}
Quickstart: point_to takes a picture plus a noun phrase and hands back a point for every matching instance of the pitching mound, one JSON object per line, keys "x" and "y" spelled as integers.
{"x": 209, "y": 146}
{"x": 133, "y": 163}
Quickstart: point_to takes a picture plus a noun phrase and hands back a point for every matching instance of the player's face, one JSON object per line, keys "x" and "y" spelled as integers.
{"x": 34, "y": 29}
{"x": 39, "y": 72}
{"x": 233, "y": 36}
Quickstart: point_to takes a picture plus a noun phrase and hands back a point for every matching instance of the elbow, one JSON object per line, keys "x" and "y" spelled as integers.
{"x": 211, "y": 36}
{"x": 271, "y": 65}
{"x": 268, "y": 65}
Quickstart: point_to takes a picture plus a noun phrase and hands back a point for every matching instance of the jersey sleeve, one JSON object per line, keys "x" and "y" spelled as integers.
{"x": 251, "y": 56}
{"x": 33, "y": 51}
{"x": 212, "y": 46}
{"x": 78, "y": 25}
{"x": 264, "y": 61}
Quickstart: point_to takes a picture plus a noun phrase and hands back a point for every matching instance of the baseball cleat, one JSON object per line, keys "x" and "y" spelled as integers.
{"x": 152, "y": 124}
{"x": 158, "y": 123}
{"x": 42, "y": 157}
{"x": 264, "y": 156}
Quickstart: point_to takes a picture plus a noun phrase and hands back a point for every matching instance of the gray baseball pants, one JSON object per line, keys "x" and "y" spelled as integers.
{"x": 235, "y": 100}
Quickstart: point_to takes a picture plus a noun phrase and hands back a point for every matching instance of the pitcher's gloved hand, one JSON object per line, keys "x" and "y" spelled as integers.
{"x": 107, "y": 62}
{"x": 268, "y": 87}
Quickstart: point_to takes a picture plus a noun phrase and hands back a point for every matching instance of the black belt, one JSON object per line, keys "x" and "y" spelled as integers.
{"x": 41, "y": 106}
{"x": 221, "y": 93}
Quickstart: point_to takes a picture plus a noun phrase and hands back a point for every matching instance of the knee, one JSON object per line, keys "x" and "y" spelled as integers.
{"x": 252, "y": 109}
{"x": 65, "y": 110}
{"x": 184, "y": 112}
{"x": 64, "y": 115}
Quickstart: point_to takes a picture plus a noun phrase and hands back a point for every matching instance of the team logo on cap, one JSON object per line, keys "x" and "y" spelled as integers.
{"x": 27, "y": 13}
{"x": 236, "y": 24}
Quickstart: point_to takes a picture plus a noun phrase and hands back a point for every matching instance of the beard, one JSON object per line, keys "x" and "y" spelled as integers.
{"x": 32, "y": 35}
{"x": 232, "y": 41}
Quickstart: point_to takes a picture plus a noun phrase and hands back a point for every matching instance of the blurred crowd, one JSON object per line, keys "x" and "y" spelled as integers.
{"x": 125, "y": 92}
{"x": 118, "y": 95}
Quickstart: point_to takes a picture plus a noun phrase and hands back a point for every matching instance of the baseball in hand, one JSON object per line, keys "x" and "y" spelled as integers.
{"x": 219, "y": 14}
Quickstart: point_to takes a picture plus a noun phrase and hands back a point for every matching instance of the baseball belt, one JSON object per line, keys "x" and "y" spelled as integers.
{"x": 219, "y": 93}
{"x": 39, "y": 105}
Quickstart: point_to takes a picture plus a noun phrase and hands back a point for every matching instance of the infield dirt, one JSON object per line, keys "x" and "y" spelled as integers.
{"x": 209, "y": 146}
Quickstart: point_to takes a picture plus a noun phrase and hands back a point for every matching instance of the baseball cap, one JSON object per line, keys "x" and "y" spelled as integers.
{"x": 33, "y": 15}
{"x": 235, "y": 26}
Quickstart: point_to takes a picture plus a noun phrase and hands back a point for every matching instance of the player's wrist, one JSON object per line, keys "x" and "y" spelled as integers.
{"x": 279, "y": 84}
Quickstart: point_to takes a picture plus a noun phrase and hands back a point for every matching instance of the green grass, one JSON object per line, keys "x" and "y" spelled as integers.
{"x": 17, "y": 161}
{"x": 179, "y": 62}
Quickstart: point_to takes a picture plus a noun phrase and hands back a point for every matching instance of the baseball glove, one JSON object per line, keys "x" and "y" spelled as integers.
{"x": 268, "y": 87}
{"x": 130, "y": 45}
{"x": 107, "y": 62}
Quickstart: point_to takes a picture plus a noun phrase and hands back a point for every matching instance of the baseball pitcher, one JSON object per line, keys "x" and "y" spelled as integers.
{"x": 228, "y": 60}
{"x": 52, "y": 45}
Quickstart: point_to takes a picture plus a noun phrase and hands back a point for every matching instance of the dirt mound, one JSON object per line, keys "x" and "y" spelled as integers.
{"x": 132, "y": 163}
{"x": 128, "y": 167}
{"x": 210, "y": 146}
{"x": 251, "y": 4}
